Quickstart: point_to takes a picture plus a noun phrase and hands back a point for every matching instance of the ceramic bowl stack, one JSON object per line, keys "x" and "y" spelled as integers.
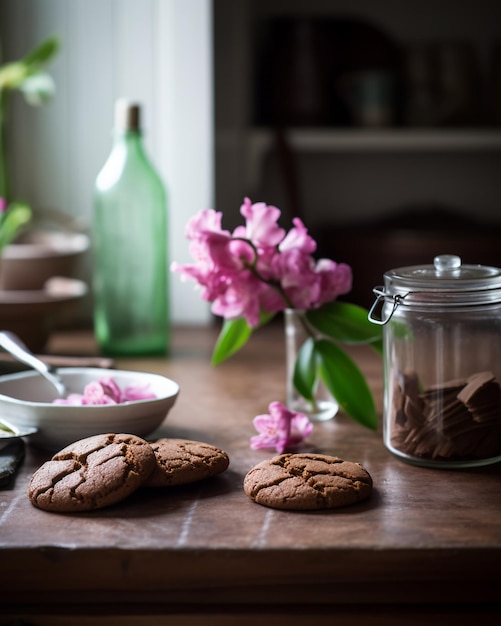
{"x": 37, "y": 284}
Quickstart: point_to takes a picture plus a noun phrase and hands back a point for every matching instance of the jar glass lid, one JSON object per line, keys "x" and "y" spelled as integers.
{"x": 447, "y": 273}
{"x": 446, "y": 283}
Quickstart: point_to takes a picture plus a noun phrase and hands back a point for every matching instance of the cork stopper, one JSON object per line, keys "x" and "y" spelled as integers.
{"x": 127, "y": 115}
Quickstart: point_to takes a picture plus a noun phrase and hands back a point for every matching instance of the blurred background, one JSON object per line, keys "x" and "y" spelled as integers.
{"x": 378, "y": 123}
{"x": 158, "y": 52}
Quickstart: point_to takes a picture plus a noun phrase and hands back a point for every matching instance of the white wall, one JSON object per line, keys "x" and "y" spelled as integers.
{"x": 156, "y": 51}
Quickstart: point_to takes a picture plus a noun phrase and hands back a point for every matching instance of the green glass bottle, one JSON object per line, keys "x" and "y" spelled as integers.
{"x": 130, "y": 246}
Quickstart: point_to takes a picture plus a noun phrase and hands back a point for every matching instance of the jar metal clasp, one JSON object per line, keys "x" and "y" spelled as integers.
{"x": 378, "y": 305}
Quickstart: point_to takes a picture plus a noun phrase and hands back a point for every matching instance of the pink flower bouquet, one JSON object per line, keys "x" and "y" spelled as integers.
{"x": 259, "y": 270}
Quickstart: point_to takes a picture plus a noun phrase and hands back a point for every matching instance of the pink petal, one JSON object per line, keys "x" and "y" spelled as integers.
{"x": 205, "y": 220}
{"x": 137, "y": 393}
{"x": 298, "y": 239}
{"x": 335, "y": 280}
{"x": 265, "y": 423}
{"x": 280, "y": 429}
{"x": 301, "y": 425}
{"x": 110, "y": 389}
{"x": 261, "y": 223}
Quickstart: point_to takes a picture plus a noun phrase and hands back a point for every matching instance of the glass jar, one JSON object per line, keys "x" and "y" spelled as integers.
{"x": 442, "y": 365}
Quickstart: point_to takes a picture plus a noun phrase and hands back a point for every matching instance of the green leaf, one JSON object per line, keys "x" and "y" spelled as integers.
{"x": 305, "y": 370}
{"x": 346, "y": 383}
{"x": 345, "y": 322}
{"x": 15, "y": 217}
{"x": 233, "y": 336}
{"x": 43, "y": 53}
{"x": 13, "y": 75}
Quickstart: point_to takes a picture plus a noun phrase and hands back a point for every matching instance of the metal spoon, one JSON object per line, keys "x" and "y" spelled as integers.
{"x": 14, "y": 346}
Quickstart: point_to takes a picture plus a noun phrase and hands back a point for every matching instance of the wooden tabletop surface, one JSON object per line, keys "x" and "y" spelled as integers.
{"x": 426, "y": 540}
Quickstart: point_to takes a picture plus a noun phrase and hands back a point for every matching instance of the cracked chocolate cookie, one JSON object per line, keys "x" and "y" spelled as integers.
{"x": 181, "y": 461}
{"x": 92, "y": 473}
{"x": 307, "y": 482}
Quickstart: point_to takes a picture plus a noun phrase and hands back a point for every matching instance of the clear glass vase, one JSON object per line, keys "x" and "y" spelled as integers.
{"x": 324, "y": 406}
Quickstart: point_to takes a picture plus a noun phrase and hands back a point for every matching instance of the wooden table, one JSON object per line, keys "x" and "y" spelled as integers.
{"x": 427, "y": 543}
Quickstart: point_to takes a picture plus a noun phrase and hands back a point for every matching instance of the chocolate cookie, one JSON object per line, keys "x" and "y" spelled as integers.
{"x": 92, "y": 473}
{"x": 307, "y": 482}
{"x": 180, "y": 461}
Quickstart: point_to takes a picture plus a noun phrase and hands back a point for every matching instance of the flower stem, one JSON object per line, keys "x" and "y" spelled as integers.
{"x": 309, "y": 331}
{"x": 268, "y": 281}
{"x": 252, "y": 267}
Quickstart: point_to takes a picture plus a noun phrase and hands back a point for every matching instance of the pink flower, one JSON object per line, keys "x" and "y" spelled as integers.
{"x": 298, "y": 239}
{"x": 335, "y": 280}
{"x": 260, "y": 266}
{"x": 110, "y": 389}
{"x": 94, "y": 393}
{"x": 282, "y": 428}
{"x": 72, "y": 399}
{"x": 136, "y": 392}
{"x": 214, "y": 250}
{"x": 240, "y": 299}
{"x": 261, "y": 224}
{"x": 204, "y": 221}
{"x": 296, "y": 271}
{"x": 106, "y": 391}
{"x": 3, "y": 205}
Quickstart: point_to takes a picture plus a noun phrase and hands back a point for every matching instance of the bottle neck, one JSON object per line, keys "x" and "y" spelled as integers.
{"x": 127, "y": 126}
{"x": 130, "y": 140}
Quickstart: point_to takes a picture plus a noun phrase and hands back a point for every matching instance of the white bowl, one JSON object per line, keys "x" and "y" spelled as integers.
{"x": 26, "y": 400}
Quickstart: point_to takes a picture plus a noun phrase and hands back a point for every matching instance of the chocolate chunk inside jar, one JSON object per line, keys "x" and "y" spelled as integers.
{"x": 442, "y": 363}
